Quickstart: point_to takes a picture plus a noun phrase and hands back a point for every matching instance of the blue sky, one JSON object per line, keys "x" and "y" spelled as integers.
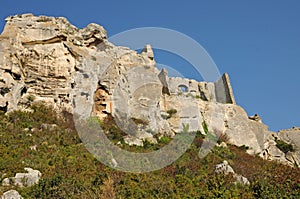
{"x": 256, "y": 42}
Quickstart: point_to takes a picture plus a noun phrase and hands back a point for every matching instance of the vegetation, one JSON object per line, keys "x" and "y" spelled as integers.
{"x": 30, "y": 98}
{"x": 283, "y": 146}
{"x": 171, "y": 112}
{"x": 70, "y": 171}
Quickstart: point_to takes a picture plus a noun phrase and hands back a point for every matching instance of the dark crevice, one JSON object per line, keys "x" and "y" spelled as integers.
{"x": 71, "y": 51}
{"x": 84, "y": 94}
{"x": 23, "y": 91}
{"x": 14, "y": 75}
{"x": 55, "y": 39}
{"x": 102, "y": 87}
{"x": 4, "y": 108}
{"x": 3, "y": 91}
{"x": 96, "y": 42}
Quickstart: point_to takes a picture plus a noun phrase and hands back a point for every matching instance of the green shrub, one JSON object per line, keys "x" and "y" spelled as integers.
{"x": 31, "y": 98}
{"x": 171, "y": 112}
{"x": 164, "y": 140}
{"x": 204, "y": 126}
{"x": 283, "y": 146}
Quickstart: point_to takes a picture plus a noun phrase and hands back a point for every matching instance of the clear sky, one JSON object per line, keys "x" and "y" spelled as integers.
{"x": 256, "y": 42}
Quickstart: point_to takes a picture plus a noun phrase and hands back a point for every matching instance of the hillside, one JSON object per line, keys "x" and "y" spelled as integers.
{"x": 70, "y": 171}
{"x": 88, "y": 119}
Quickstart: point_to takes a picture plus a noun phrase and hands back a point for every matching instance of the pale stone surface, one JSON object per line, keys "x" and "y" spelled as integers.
{"x": 6, "y": 182}
{"x": 207, "y": 91}
{"x": 242, "y": 180}
{"x": 225, "y": 168}
{"x": 292, "y": 136}
{"x": 11, "y": 194}
{"x": 164, "y": 79}
{"x": 24, "y": 179}
{"x": 147, "y": 51}
{"x": 50, "y": 127}
{"x": 63, "y": 66}
{"x": 47, "y": 59}
{"x": 223, "y": 89}
{"x": 222, "y": 145}
{"x": 255, "y": 117}
{"x": 130, "y": 140}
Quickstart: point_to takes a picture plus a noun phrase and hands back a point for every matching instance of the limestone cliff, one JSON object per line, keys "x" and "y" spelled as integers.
{"x": 47, "y": 59}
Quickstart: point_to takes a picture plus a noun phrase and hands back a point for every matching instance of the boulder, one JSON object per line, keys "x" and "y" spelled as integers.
{"x": 222, "y": 145}
{"x": 11, "y": 194}
{"x": 242, "y": 180}
{"x": 130, "y": 140}
{"x": 28, "y": 179}
{"x": 225, "y": 169}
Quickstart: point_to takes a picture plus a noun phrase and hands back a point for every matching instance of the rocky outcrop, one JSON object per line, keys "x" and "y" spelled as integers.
{"x": 255, "y": 117}
{"x": 47, "y": 59}
{"x": 292, "y": 138}
{"x": 28, "y": 179}
{"x": 225, "y": 169}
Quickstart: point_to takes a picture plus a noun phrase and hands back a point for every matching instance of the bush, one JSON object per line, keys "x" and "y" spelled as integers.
{"x": 283, "y": 146}
{"x": 171, "y": 112}
{"x": 164, "y": 139}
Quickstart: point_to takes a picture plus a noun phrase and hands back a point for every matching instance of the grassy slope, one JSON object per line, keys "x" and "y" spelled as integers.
{"x": 69, "y": 171}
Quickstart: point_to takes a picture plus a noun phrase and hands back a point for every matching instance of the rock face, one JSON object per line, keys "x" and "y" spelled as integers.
{"x": 47, "y": 59}
{"x": 292, "y": 137}
{"x": 28, "y": 179}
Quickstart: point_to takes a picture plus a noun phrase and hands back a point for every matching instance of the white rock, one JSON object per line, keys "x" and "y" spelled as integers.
{"x": 242, "y": 180}
{"x": 130, "y": 140}
{"x": 33, "y": 148}
{"x": 11, "y": 194}
{"x": 224, "y": 168}
{"x": 6, "y": 182}
{"x": 222, "y": 144}
{"x": 24, "y": 179}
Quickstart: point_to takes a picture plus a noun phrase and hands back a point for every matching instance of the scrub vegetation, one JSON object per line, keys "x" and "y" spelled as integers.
{"x": 70, "y": 171}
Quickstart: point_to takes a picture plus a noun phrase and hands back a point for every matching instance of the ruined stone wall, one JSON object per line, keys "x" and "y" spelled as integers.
{"x": 178, "y": 85}
{"x": 223, "y": 90}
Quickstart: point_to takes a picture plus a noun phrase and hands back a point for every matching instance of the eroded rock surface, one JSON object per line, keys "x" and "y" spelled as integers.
{"x": 47, "y": 59}
{"x": 292, "y": 137}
